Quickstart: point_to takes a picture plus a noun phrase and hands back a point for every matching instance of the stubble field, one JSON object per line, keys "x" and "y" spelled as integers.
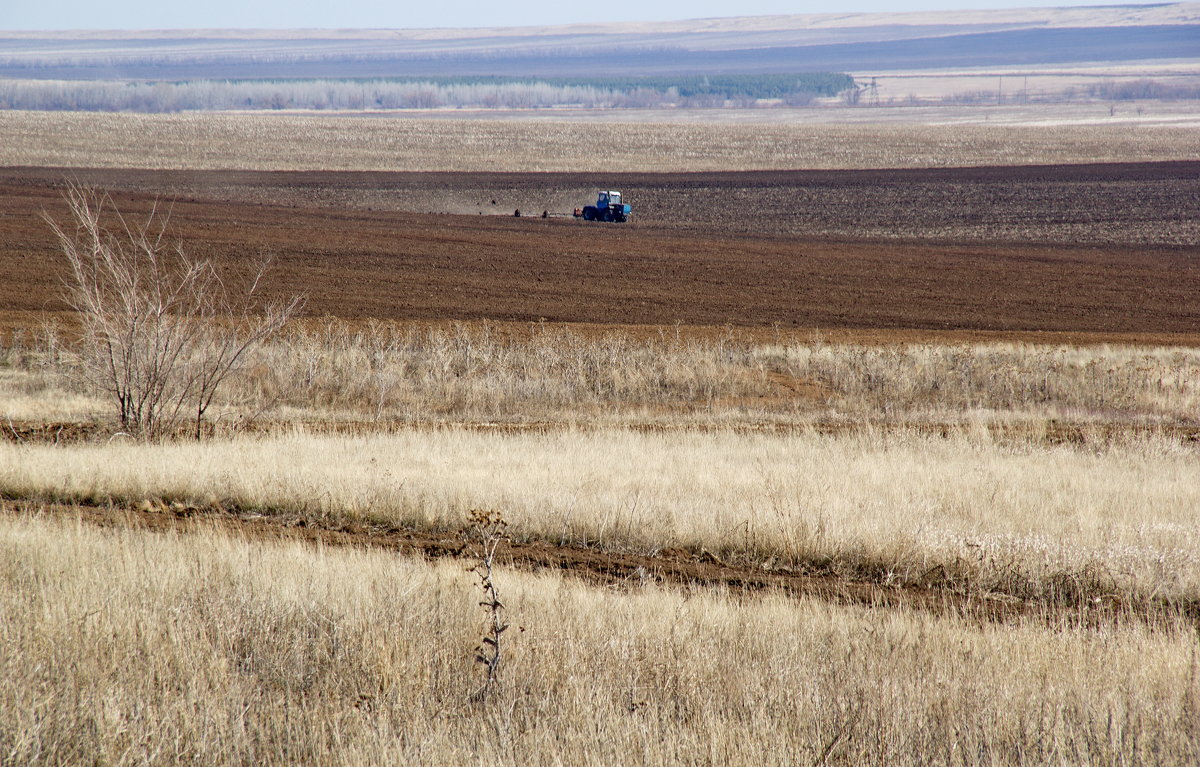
{"x": 865, "y": 465}
{"x": 549, "y": 141}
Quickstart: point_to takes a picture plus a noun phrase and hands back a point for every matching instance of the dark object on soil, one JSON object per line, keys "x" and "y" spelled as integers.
{"x": 608, "y": 207}
{"x": 517, "y": 213}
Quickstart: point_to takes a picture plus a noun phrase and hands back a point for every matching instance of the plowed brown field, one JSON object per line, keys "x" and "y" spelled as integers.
{"x": 1106, "y": 251}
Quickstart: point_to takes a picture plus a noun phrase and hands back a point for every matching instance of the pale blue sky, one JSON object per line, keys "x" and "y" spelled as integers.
{"x": 290, "y": 14}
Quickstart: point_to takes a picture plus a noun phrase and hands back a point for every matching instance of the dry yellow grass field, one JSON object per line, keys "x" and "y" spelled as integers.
{"x": 1017, "y": 519}
{"x": 298, "y": 142}
{"x": 1015, "y": 467}
{"x": 133, "y": 647}
{"x": 124, "y": 647}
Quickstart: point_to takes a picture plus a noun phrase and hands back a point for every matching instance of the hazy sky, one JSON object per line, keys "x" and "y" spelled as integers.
{"x": 285, "y": 14}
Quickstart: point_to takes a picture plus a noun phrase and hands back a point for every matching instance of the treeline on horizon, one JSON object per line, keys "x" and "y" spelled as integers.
{"x": 495, "y": 92}
{"x": 728, "y": 86}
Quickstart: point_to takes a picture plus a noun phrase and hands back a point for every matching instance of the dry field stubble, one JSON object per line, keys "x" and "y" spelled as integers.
{"x": 300, "y": 142}
{"x": 475, "y": 373}
{"x": 128, "y": 647}
{"x": 205, "y": 649}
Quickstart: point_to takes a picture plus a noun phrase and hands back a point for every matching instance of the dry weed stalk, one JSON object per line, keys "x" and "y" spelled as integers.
{"x": 486, "y": 529}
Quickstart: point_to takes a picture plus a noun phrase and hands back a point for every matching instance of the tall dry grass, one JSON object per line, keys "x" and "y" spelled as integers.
{"x": 36, "y": 381}
{"x": 123, "y": 647}
{"x": 970, "y": 511}
{"x": 391, "y": 373}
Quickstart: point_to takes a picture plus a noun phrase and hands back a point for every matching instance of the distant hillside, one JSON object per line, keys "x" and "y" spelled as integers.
{"x": 753, "y": 45}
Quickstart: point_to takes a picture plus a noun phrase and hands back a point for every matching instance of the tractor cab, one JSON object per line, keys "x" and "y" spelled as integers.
{"x": 608, "y": 207}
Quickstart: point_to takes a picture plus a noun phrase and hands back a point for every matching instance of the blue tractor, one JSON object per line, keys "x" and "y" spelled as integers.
{"x": 608, "y": 207}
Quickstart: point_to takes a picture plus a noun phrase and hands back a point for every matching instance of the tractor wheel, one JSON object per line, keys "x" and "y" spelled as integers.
{"x": 606, "y": 216}
{"x": 589, "y": 214}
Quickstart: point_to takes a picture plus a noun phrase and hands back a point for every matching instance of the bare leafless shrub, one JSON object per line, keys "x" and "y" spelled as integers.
{"x": 161, "y": 330}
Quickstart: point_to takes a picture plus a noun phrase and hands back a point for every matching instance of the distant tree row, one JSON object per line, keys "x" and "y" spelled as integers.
{"x": 485, "y": 92}
{"x": 1108, "y": 90}
{"x": 730, "y": 86}
{"x": 1130, "y": 90}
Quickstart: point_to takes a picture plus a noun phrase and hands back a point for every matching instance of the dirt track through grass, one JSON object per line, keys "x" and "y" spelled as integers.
{"x": 670, "y": 567}
{"x": 969, "y": 511}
